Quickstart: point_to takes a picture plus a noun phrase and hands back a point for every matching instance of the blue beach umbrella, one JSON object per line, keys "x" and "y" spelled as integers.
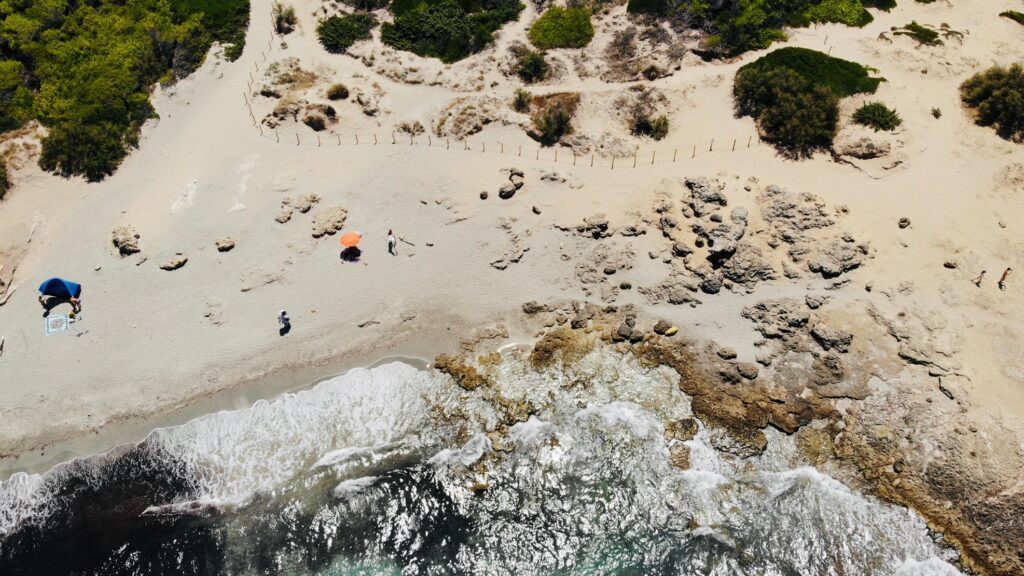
{"x": 60, "y": 288}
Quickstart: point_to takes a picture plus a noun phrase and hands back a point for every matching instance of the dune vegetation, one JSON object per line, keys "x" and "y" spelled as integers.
{"x": 449, "y": 30}
{"x": 85, "y": 70}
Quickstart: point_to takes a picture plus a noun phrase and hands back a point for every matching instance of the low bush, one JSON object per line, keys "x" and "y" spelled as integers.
{"x": 562, "y": 28}
{"x": 315, "y": 121}
{"x": 447, "y": 29}
{"x": 552, "y": 119}
{"x": 337, "y": 92}
{"x": 923, "y": 34}
{"x": 653, "y": 72}
{"x": 842, "y": 77}
{"x": 878, "y": 116}
{"x": 996, "y": 98}
{"x": 849, "y": 12}
{"x": 521, "y": 100}
{"x": 1017, "y": 17}
{"x": 656, "y": 128}
{"x": 531, "y": 66}
{"x": 367, "y": 5}
{"x": 796, "y": 115}
{"x": 338, "y": 33}
{"x": 5, "y": 181}
{"x": 884, "y": 5}
{"x": 284, "y": 18}
{"x": 936, "y": 113}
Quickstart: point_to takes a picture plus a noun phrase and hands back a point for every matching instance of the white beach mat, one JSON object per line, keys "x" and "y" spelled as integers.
{"x": 57, "y": 323}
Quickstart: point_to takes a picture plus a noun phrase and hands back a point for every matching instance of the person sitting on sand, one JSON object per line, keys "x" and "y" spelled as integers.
{"x": 977, "y": 281}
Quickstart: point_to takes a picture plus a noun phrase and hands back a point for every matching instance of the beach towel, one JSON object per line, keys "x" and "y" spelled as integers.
{"x": 57, "y": 323}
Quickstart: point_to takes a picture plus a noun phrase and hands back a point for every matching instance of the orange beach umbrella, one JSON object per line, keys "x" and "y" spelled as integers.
{"x": 350, "y": 239}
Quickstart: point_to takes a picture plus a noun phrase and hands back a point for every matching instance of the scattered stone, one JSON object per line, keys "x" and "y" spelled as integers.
{"x": 596, "y": 226}
{"x": 661, "y": 327}
{"x": 483, "y": 195}
{"x": 328, "y": 221}
{"x": 716, "y": 218}
{"x": 225, "y": 244}
{"x": 680, "y": 249}
{"x": 533, "y": 307}
{"x": 506, "y": 191}
{"x": 815, "y": 302}
{"x": 747, "y": 370}
{"x": 829, "y": 337}
{"x": 679, "y": 456}
{"x": 711, "y": 285}
{"x": 763, "y": 358}
{"x": 306, "y": 202}
{"x": 743, "y": 443}
{"x": 777, "y": 318}
{"x": 625, "y": 286}
{"x": 174, "y": 263}
{"x": 704, "y": 197}
{"x": 726, "y": 353}
{"x": 536, "y": 210}
{"x": 672, "y": 331}
{"x": 835, "y": 257}
{"x": 285, "y": 214}
{"x": 681, "y": 430}
{"x": 951, "y": 264}
{"x": 126, "y": 240}
{"x": 624, "y": 332}
{"x": 904, "y": 223}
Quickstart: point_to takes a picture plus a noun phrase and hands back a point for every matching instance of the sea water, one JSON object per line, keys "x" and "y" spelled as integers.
{"x": 369, "y": 473}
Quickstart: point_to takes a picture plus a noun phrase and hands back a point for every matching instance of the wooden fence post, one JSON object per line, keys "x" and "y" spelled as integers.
{"x": 296, "y": 138}
{"x": 694, "y": 154}
{"x": 591, "y": 159}
{"x": 317, "y": 140}
{"x": 634, "y": 160}
{"x": 733, "y": 144}
{"x": 374, "y": 138}
{"x": 277, "y": 136}
{"x": 357, "y": 139}
{"x": 653, "y": 152}
{"x": 749, "y": 138}
{"x": 712, "y": 146}
{"x": 674, "y": 151}
{"x": 613, "y": 162}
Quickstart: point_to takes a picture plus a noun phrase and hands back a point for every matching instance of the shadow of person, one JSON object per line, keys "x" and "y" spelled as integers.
{"x": 285, "y": 329}
{"x": 51, "y": 302}
{"x": 351, "y": 254}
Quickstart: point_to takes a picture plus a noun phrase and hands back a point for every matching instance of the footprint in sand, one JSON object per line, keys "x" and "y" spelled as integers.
{"x": 186, "y": 199}
{"x": 244, "y": 172}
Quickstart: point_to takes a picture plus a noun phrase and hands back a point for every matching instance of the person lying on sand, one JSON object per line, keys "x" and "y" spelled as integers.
{"x": 977, "y": 281}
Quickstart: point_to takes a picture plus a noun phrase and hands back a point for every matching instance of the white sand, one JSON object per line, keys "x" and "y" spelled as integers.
{"x": 144, "y": 352}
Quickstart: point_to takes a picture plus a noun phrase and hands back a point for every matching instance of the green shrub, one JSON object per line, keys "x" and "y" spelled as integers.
{"x": 1017, "y": 17}
{"x": 652, "y": 72}
{"x": 367, "y": 5}
{"x": 531, "y": 66}
{"x": 562, "y": 28}
{"x": 338, "y": 33}
{"x": 447, "y": 29}
{"x": 842, "y": 77}
{"x": 15, "y": 96}
{"x": 521, "y": 100}
{"x": 936, "y": 113}
{"x": 284, "y": 18}
{"x": 923, "y": 34}
{"x": 795, "y": 114}
{"x": 996, "y": 97}
{"x": 656, "y": 128}
{"x": 849, "y": 12}
{"x": 553, "y": 118}
{"x": 337, "y": 92}
{"x": 884, "y": 5}
{"x": 315, "y": 121}
{"x": 876, "y": 115}
{"x": 5, "y": 181}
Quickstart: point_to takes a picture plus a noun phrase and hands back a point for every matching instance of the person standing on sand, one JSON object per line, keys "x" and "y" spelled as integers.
{"x": 392, "y": 243}
{"x": 1002, "y": 280}
{"x": 285, "y": 322}
{"x": 977, "y": 281}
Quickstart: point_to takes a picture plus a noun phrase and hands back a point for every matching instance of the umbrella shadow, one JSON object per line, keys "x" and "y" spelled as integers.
{"x": 351, "y": 254}
{"x": 51, "y": 302}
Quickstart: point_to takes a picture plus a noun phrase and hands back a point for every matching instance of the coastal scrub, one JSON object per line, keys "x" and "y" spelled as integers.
{"x": 446, "y": 29}
{"x": 878, "y": 116}
{"x": 562, "y": 28}
{"x": 338, "y": 33}
{"x": 996, "y": 98}
{"x": 85, "y": 70}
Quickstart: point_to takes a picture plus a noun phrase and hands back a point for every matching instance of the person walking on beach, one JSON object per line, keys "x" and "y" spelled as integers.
{"x": 392, "y": 243}
{"x": 285, "y": 322}
{"x": 1002, "y": 279}
{"x": 977, "y": 281}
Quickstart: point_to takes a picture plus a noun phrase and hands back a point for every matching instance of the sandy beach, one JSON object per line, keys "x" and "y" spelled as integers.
{"x": 155, "y": 347}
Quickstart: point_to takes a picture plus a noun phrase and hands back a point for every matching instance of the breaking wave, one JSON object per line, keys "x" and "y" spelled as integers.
{"x": 395, "y": 470}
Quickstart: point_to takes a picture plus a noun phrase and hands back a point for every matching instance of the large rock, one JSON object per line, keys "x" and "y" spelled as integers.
{"x": 126, "y": 240}
{"x": 777, "y": 318}
{"x": 829, "y": 337}
{"x": 225, "y": 245}
{"x": 507, "y": 191}
{"x": 748, "y": 266}
{"x": 704, "y": 196}
{"x": 861, "y": 143}
{"x": 328, "y": 221}
{"x": 596, "y": 227}
{"x": 177, "y": 261}
{"x": 791, "y": 215}
{"x": 835, "y": 257}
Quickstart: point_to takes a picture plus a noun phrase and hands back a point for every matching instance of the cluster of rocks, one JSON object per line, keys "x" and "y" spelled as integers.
{"x": 302, "y": 204}
{"x": 126, "y": 240}
{"x": 517, "y": 245}
{"x": 326, "y": 221}
{"x": 514, "y": 184}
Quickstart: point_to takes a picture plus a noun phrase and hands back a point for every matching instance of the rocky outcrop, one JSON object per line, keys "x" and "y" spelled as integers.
{"x": 225, "y": 245}
{"x": 748, "y": 266}
{"x": 790, "y": 215}
{"x": 126, "y": 240}
{"x": 465, "y": 375}
{"x": 834, "y": 257}
{"x": 777, "y": 318}
{"x": 176, "y": 262}
{"x": 830, "y": 337}
{"x": 704, "y": 197}
{"x": 327, "y": 221}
